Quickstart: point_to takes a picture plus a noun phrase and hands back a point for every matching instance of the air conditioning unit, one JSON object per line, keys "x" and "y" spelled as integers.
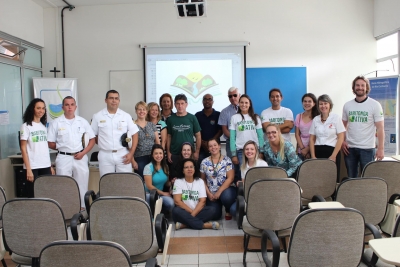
{"x": 190, "y": 8}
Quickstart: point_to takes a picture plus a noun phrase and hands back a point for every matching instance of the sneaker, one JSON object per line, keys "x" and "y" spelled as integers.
{"x": 215, "y": 225}
{"x": 177, "y": 225}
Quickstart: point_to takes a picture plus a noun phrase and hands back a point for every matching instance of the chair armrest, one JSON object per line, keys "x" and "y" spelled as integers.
{"x": 318, "y": 198}
{"x": 161, "y": 227}
{"x": 78, "y": 217}
{"x": 393, "y": 198}
{"x": 276, "y": 248}
{"x": 153, "y": 199}
{"x": 240, "y": 185}
{"x": 240, "y": 206}
{"x": 377, "y": 235}
{"x": 151, "y": 262}
{"x": 89, "y": 194}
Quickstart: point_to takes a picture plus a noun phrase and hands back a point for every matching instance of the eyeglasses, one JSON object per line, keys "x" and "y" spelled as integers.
{"x": 188, "y": 167}
{"x": 271, "y": 132}
{"x": 207, "y": 99}
{"x": 234, "y": 95}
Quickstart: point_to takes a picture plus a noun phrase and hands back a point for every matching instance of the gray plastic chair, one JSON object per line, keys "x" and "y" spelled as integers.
{"x": 387, "y": 170}
{"x": 30, "y": 224}
{"x": 127, "y": 221}
{"x": 317, "y": 177}
{"x": 85, "y": 253}
{"x": 61, "y": 188}
{"x": 320, "y": 237}
{"x": 367, "y": 195}
{"x": 271, "y": 204}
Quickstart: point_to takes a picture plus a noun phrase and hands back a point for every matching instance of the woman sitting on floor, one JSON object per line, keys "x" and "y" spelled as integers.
{"x": 217, "y": 171}
{"x": 190, "y": 200}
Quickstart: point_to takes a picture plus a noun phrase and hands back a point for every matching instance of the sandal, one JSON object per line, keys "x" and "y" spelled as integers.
{"x": 228, "y": 217}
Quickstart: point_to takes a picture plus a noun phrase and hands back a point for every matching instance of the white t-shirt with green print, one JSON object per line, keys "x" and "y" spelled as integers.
{"x": 361, "y": 119}
{"x": 36, "y": 145}
{"x": 191, "y": 192}
{"x": 278, "y": 116}
{"x": 245, "y": 129}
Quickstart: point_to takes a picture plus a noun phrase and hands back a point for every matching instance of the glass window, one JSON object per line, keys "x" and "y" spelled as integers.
{"x": 10, "y": 109}
{"x": 28, "y": 85}
{"x": 387, "y": 46}
{"x": 33, "y": 57}
{"x": 388, "y": 67}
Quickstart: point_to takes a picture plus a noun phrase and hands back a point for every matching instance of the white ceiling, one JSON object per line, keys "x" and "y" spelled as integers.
{"x": 60, "y": 3}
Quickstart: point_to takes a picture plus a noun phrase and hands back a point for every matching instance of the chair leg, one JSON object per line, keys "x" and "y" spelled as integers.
{"x": 246, "y": 245}
{"x": 4, "y": 263}
{"x": 283, "y": 240}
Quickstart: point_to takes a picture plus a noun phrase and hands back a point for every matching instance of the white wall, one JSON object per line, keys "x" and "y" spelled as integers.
{"x": 332, "y": 38}
{"x": 386, "y": 16}
{"x": 22, "y": 19}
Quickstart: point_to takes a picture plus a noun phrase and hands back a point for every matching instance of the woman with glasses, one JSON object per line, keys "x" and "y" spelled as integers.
{"x": 190, "y": 195}
{"x": 251, "y": 158}
{"x": 279, "y": 152}
{"x": 244, "y": 126}
{"x": 218, "y": 173}
{"x": 156, "y": 177}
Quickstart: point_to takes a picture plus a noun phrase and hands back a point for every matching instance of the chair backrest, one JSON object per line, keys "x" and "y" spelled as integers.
{"x": 327, "y": 237}
{"x": 84, "y": 253}
{"x": 387, "y": 170}
{"x": 29, "y": 224}
{"x": 127, "y": 184}
{"x": 396, "y": 230}
{"x": 125, "y": 220}
{"x": 317, "y": 177}
{"x": 62, "y": 189}
{"x": 367, "y": 195}
{"x": 257, "y": 173}
{"x": 273, "y": 203}
{"x": 2, "y": 201}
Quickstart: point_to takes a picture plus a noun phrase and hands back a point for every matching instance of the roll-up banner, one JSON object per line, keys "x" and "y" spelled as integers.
{"x": 53, "y": 91}
{"x": 385, "y": 91}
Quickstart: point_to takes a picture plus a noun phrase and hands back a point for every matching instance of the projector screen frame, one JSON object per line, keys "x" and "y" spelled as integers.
{"x": 240, "y": 44}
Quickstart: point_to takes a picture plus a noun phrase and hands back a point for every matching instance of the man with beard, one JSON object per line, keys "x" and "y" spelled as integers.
{"x": 363, "y": 118}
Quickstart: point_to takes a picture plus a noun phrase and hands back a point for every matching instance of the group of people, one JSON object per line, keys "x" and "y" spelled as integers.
{"x": 195, "y": 179}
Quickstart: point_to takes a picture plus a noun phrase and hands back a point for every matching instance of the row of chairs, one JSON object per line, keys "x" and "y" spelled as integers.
{"x": 133, "y": 213}
{"x": 269, "y": 202}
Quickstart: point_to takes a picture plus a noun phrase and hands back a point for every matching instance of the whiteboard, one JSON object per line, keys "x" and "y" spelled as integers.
{"x": 130, "y": 85}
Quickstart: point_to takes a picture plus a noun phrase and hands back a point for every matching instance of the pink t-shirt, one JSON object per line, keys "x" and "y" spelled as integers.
{"x": 304, "y": 130}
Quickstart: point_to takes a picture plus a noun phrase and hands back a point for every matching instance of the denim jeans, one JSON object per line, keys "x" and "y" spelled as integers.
{"x": 167, "y": 203}
{"x": 227, "y": 199}
{"x": 357, "y": 159}
{"x": 197, "y": 222}
{"x": 142, "y": 162}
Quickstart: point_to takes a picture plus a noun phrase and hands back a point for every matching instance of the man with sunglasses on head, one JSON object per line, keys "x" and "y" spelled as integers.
{"x": 225, "y": 119}
{"x": 208, "y": 120}
{"x": 363, "y": 118}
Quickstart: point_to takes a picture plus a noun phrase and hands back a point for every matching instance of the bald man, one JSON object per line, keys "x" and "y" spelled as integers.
{"x": 208, "y": 120}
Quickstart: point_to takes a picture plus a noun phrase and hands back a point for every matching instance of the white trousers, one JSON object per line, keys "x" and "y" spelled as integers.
{"x": 113, "y": 162}
{"x": 78, "y": 169}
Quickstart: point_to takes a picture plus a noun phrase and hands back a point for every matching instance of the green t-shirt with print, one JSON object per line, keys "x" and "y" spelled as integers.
{"x": 182, "y": 129}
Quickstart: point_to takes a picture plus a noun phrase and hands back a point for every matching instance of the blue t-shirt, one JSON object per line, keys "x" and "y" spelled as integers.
{"x": 209, "y": 125}
{"x": 158, "y": 179}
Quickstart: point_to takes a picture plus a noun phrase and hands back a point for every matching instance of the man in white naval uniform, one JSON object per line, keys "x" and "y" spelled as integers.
{"x": 109, "y": 125}
{"x": 65, "y": 135}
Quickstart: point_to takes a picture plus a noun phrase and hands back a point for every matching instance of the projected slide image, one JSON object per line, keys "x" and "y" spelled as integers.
{"x": 194, "y": 83}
